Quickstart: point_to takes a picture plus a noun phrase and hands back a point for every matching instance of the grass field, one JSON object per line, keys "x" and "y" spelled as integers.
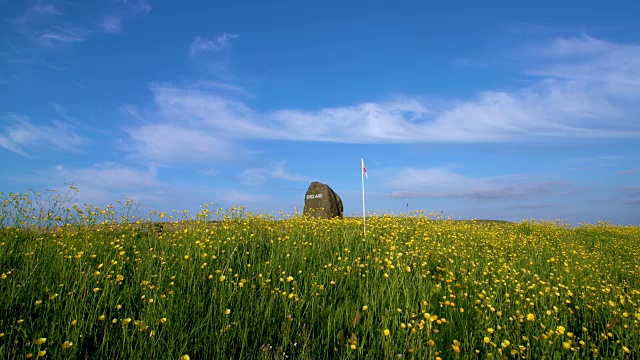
{"x": 253, "y": 287}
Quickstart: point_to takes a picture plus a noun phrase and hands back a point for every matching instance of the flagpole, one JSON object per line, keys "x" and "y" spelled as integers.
{"x": 364, "y": 214}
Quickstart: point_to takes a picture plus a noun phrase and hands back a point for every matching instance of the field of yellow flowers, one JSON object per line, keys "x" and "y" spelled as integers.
{"x": 82, "y": 284}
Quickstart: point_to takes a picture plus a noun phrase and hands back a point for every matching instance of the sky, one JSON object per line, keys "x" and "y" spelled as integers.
{"x": 487, "y": 110}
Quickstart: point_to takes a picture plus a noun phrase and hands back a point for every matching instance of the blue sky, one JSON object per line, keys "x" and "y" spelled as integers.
{"x": 483, "y": 109}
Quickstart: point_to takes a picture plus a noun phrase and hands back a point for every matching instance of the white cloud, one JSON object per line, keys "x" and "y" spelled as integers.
{"x": 36, "y": 13}
{"x": 104, "y": 183}
{"x": 253, "y": 177}
{"x": 62, "y": 113}
{"x": 394, "y": 121}
{"x": 61, "y": 35}
{"x": 112, "y": 24}
{"x": 584, "y": 88}
{"x": 20, "y": 135}
{"x": 571, "y": 46}
{"x": 100, "y": 184}
{"x": 633, "y": 190}
{"x": 631, "y": 195}
{"x": 46, "y": 9}
{"x": 629, "y": 172}
{"x": 444, "y": 183}
{"x": 258, "y": 176}
{"x": 220, "y": 43}
{"x": 140, "y": 6}
{"x": 121, "y": 12}
{"x": 44, "y": 26}
{"x": 241, "y": 198}
{"x": 108, "y": 176}
{"x": 210, "y": 172}
{"x": 221, "y": 86}
{"x": 170, "y": 144}
{"x": 279, "y": 172}
{"x": 607, "y": 68}
{"x": 213, "y": 56}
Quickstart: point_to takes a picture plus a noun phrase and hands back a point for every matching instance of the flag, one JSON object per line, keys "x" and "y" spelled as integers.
{"x": 364, "y": 212}
{"x": 364, "y": 169}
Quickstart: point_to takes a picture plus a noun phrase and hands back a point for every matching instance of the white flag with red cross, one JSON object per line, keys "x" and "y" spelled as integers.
{"x": 364, "y": 169}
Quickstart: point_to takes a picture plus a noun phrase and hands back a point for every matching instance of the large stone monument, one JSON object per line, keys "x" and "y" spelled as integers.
{"x": 322, "y": 202}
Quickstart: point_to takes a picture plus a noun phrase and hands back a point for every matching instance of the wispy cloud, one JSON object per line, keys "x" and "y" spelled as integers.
{"x": 170, "y": 144}
{"x": 46, "y": 9}
{"x": 102, "y": 183}
{"x": 108, "y": 176}
{"x": 444, "y": 183}
{"x": 222, "y": 87}
{"x": 122, "y": 11}
{"x": 241, "y": 198}
{"x": 21, "y": 136}
{"x": 45, "y": 28}
{"x": 45, "y": 25}
{"x": 112, "y": 23}
{"x": 631, "y": 195}
{"x": 210, "y": 172}
{"x": 592, "y": 162}
{"x": 629, "y": 172}
{"x": 258, "y": 176}
{"x": 213, "y": 56}
{"x": 138, "y": 6}
{"x": 632, "y": 190}
{"x": 60, "y": 35}
{"x": 62, "y": 113}
{"x": 609, "y": 68}
{"x": 561, "y": 103}
{"x": 35, "y": 13}
{"x": 219, "y": 43}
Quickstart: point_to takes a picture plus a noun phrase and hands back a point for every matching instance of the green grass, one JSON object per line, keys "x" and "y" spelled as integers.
{"x": 296, "y": 289}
